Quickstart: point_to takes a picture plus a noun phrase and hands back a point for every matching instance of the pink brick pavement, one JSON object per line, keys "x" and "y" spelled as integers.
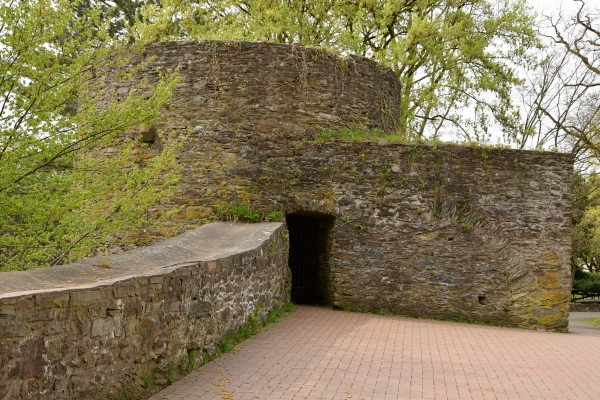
{"x": 317, "y": 353}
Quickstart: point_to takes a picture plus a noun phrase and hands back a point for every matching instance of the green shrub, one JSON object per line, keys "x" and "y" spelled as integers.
{"x": 587, "y": 284}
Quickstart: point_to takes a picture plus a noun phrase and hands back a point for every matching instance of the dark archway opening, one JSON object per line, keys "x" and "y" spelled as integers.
{"x": 310, "y": 244}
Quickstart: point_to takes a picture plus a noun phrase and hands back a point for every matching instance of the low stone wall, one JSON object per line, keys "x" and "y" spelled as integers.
{"x": 103, "y": 325}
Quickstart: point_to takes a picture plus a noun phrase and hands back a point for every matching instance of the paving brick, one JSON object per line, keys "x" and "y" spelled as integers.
{"x": 317, "y": 353}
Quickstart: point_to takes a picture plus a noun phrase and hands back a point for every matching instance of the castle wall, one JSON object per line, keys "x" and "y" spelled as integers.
{"x": 425, "y": 230}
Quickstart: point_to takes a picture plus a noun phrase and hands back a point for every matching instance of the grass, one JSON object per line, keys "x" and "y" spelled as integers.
{"x": 243, "y": 212}
{"x": 132, "y": 395}
{"x": 596, "y": 321}
{"x": 170, "y": 375}
{"x": 278, "y": 311}
{"x": 374, "y": 135}
{"x": 104, "y": 263}
{"x": 354, "y": 135}
{"x": 252, "y": 327}
{"x": 192, "y": 360}
{"x": 149, "y": 379}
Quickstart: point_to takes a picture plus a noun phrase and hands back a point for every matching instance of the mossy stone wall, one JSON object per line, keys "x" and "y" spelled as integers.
{"x": 425, "y": 230}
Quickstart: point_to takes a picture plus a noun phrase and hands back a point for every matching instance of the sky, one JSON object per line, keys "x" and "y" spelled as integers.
{"x": 552, "y": 6}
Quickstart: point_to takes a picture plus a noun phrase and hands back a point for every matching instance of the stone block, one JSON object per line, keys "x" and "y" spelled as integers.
{"x": 25, "y": 304}
{"x": 197, "y": 212}
{"x": 58, "y": 327}
{"x": 133, "y": 306}
{"x": 39, "y": 315}
{"x": 121, "y": 289}
{"x": 200, "y": 309}
{"x": 102, "y": 327}
{"x": 12, "y": 330}
{"x": 85, "y": 297}
{"x": 7, "y": 313}
{"x": 50, "y": 300}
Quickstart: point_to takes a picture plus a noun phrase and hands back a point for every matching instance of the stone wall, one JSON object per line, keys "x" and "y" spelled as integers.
{"x": 96, "y": 333}
{"x": 425, "y": 230}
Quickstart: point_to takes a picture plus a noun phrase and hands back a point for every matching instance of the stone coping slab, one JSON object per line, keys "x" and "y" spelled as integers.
{"x": 206, "y": 243}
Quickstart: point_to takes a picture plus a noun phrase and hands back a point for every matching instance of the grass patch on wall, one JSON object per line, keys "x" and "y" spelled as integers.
{"x": 245, "y": 213}
{"x": 374, "y": 135}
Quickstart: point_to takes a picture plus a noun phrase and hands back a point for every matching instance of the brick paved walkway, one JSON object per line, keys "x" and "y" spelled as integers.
{"x": 316, "y": 353}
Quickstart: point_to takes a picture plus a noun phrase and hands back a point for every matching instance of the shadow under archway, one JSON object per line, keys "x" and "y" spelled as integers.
{"x": 310, "y": 244}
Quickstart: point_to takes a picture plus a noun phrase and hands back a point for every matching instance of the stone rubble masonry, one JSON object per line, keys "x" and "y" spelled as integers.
{"x": 100, "y": 339}
{"x": 425, "y": 230}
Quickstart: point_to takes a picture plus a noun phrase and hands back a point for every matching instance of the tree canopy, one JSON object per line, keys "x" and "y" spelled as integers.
{"x": 562, "y": 111}
{"x": 57, "y": 199}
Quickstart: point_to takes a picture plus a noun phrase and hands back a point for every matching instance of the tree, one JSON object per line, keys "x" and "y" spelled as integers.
{"x": 562, "y": 98}
{"x": 561, "y": 104}
{"x": 449, "y": 55}
{"x": 58, "y": 198}
{"x": 586, "y": 222}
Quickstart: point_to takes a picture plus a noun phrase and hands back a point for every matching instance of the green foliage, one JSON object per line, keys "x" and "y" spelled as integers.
{"x": 104, "y": 263}
{"x": 242, "y": 212}
{"x": 226, "y": 345}
{"x": 374, "y": 135}
{"x": 275, "y": 216}
{"x": 585, "y": 217}
{"x": 468, "y": 224}
{"x": 259, "y": 306}
{"x": 192, "y": 360}
{"x": 278, "y": 310}
{"x": 253, "y": 326}
{"x": 149, "y": 379}
{"x": 587, "y": 284}
{"x": 68, "y": 183}
{"x": 170, "y": 375}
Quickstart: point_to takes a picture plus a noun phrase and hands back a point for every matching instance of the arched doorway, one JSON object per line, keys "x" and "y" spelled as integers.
{"x": 310, "y": 243}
